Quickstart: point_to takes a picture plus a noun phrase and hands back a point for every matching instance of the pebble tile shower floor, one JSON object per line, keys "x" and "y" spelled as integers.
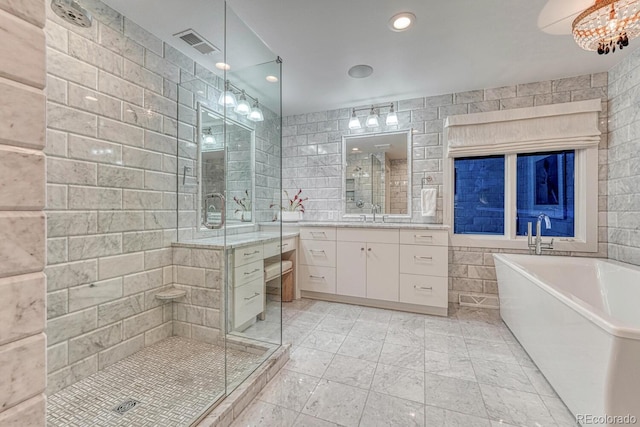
{"x": 174, "y": 380}
{"x": 357, "y": 366}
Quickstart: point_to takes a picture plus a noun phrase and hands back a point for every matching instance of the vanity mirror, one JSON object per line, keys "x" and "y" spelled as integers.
{"x": 225, "y": 155}
{"x": 377, "y": 174}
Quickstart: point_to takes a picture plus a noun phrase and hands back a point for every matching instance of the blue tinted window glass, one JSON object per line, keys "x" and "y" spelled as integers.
{"x": 546, "y": 185}
{"x": 479, "y": 195}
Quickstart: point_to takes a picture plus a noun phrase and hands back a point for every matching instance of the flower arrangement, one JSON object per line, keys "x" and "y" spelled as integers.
{"x": 243, "y": 205}
{"x": 295, "y": 204}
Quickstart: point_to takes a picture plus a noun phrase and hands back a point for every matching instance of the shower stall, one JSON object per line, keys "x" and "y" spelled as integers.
{"x": 163, "y": 159}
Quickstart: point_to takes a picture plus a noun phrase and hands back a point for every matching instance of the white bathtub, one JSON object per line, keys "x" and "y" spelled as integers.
{"x": 579, "y": 320}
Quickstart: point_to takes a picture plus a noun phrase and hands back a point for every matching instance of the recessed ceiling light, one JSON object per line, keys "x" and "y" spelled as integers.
{"x": 402, "y": 21}
{"x": 360, "y": 71}
{"x": 272, "y": 79}
{"x": 223, "y": 66}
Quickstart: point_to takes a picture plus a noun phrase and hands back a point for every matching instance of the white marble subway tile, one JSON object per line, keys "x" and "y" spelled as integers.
{"x": 21, "y": 179}
{"x": 92, "y": 53}
{"x": 23, "y": 113}
{"x": 57, "y": 303}
{"x": 88, "y": 344}
{"x": 160, "y": 333}
{"x": 57, "y": 90}
{"x": 133, "y": 199}
{"x": 120, "y": 309}
{"x": 120, "y": 265}
{"x": 22, "y": 309}
{"x": 94, "y": 198}
{"x": 71, "y": 69}
{"x": 142, "y": 282}
{"x": 74, "y": 273}
{"x": 143, "y": 159}
{"x": 500, "y": 92}
{"x": 143, "y": 117}
{"x": 57, "y": 356}
{"x": 162, "y": 105}
{"x": 120, "y": 44}
{"x": 117, "y": 221}
{"x": 120, "y": 177}
{"x": 85, "y": 247}
{"x": 206, "y": 258}
{"x": 93, "y": 150}
{"x": 116, "y": 131}
{"x": 56, "y": 250}
{"x": 65, "y": 223}
{"x": 205, "y": 297}
{"x": 63, "y": 171}
{"x": 158, "y": 258}
{"x": 56, "y": 144}
{"x": 160, "y": 219}
{"x": 71, "y": 374}
{"x": 71, "y": 325}
{"x": 95, "y": 293}
{"x": 94, "y": 102}
{"x": 134, "y": 73}
{"x": 120, "y": 88}
{"x": 142, "y": 322}
{"x": 23, "y": 52}
{"x": 571, "y": 83}
{"x": 142, "y": 241}
{"x": 22, "y": 367}
{"x": 142, "y": 36}
{"x": 22, "y": 242}
{"x": 160, "y": 181}
{"x": 158, "y": 142}
{"x": 71, "y": 120}
{"x": 205, "y": 334}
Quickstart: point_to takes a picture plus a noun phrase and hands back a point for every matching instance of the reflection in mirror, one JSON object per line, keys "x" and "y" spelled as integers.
{"x": 377, "y": 174}
{"x": 236, "y": 141}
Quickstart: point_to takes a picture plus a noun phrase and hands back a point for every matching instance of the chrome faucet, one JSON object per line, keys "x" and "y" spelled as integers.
{"x": 536, "y": 244}
{"x": 363, "y": 218}
{"x": 374, "y": 210}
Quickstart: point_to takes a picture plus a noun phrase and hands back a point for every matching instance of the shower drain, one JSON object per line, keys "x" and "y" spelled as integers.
{"x": 125, "y": 406}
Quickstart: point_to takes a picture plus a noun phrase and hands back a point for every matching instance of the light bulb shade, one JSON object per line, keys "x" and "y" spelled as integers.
{"x": 256, "y": 113}
{"x": 354, "y": 122}
{"x": 227, "y": 99}
{"x": 243, "y": 108}
{"x": 372, "y": 120}
{"x": 209, "y": 139}
{"x": 607, "y": 24}
{"x": 392, "y": 119}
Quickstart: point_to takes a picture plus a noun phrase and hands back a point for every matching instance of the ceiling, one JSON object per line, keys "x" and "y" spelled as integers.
{"x": 455, "y": 45}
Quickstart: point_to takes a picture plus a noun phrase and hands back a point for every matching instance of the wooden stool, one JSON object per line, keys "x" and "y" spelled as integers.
{"x": 284, "y": 267}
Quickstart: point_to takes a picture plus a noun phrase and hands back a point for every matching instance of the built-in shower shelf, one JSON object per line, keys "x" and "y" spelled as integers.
{"x": 170, "y": 294}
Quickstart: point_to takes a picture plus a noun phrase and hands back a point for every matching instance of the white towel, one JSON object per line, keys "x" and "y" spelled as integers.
{"x": 428, "y": 197}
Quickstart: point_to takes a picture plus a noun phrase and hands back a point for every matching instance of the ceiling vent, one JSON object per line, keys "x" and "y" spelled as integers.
{"x": 196, "y": 41}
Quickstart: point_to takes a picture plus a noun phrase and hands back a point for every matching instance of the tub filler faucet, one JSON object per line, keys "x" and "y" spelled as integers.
{"x": 535, "y": 243}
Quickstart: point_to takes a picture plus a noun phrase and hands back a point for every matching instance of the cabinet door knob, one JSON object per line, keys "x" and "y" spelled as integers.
{"x": 362, "y": 249}
{"x": 369, "y": 249}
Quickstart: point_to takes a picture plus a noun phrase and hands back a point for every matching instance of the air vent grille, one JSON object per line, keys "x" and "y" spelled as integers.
{"x": 196, "y": 41}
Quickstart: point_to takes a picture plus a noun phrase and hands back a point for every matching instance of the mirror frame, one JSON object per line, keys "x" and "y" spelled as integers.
{"x": 409, "y": 135}
{"x": 202, "y": 107}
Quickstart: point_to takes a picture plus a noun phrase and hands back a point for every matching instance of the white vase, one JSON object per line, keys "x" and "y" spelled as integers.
{"x": 288, "y": 216}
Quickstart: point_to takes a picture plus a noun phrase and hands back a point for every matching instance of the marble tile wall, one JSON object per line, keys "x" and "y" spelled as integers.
{"x": 22, "y": 220}
{"x": 624, "y": 160}
{"x": 312, "y": 156}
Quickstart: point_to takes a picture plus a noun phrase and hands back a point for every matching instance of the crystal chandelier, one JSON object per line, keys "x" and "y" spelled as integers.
{"x": 607, "y": 24}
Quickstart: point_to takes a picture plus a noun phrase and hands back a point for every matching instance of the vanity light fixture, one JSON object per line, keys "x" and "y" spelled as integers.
{"x": 227, "y": 98}
{"x": 354, "y": 122}
{"x": 402, "y": 21}
{"x": 606, "y": 25}
{"x": 372, "y": 120}
{"x": 243, "y": 108}
{"x": 256, "y": 113}
{"x": 207, "y": 135}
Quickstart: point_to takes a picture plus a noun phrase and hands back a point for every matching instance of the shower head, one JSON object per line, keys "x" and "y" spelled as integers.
{"x": 72, "y": 12}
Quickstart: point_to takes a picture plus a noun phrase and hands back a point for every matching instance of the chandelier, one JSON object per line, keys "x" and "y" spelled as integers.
{"x": 607, "y": 24}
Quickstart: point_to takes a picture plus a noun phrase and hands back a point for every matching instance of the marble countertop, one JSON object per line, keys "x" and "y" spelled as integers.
{"x": 360, "y": 224}
{"x": 235, "y": 240}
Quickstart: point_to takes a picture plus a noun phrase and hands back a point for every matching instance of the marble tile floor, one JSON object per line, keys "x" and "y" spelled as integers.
{"x": 358, "y": 366}
{"x": 174, "y": 380}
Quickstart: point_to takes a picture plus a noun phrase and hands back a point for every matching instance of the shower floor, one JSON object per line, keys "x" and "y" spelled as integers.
{"x": 174, "y": 381}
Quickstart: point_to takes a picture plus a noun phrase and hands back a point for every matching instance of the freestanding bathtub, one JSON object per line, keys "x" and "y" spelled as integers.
{"x": 579, "y": 320}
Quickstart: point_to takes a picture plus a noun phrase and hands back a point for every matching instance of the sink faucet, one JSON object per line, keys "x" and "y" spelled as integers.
{"x": 363, "y": 218}
{"x": 536, "y": 244}
{"x": 374, "y": 210}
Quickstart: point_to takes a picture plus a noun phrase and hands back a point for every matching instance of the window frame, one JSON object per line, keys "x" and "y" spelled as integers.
{"x": 586, "y": 205}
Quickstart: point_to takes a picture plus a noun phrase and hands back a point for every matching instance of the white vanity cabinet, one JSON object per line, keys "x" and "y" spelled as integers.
{"x": 367, "y": 264}
{"x": 398, "y": 268}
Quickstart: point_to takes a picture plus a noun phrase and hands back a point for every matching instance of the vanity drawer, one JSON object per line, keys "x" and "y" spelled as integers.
{"x": 248, "y": 302}
{"x": 367, "y": 235}
{"x": 247, "y": 254}
{"x": 424, "y": 237}
{"x": 322, "y": 254}
{"x": 248, "y": 273}
{"x": 276, "y": 247}
{"x": 317, "y": 233}
{"x": 429, "y": 260}
{"x": 424, "y": 290}
{"x": 317, "y": 279}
